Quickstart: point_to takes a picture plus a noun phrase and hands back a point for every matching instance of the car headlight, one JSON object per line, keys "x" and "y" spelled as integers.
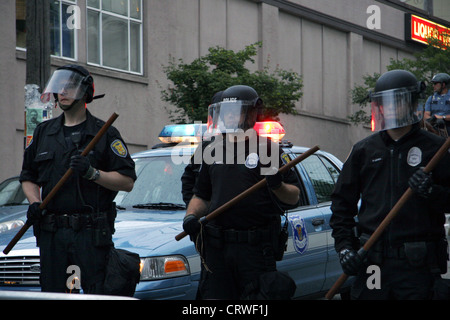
{"x": 156, "y": 268}
{"x": 9, "y": 225}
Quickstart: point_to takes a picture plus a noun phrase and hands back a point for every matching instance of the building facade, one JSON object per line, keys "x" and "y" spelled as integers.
{"x": 125, "y": 45}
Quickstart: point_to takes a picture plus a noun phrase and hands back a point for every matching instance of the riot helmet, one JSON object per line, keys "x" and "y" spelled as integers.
{"x": 217, "y": 97}
{"x": 395, "y": 100}
{"x": 237, "y": 110}
{"x": 72, "y": 81}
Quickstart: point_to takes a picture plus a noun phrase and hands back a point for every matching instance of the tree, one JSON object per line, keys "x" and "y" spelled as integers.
{"x": 194, "y": 84}
{"x": 435, "y": 58}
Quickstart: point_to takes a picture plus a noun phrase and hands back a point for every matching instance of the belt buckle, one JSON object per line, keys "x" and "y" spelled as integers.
{"x": 63, "y": 221}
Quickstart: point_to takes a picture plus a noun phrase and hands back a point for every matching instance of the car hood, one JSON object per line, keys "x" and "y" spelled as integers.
{"x": 13, "y": 212}
{"x": 146, "y": 232}
{"x": 150, "y": 232}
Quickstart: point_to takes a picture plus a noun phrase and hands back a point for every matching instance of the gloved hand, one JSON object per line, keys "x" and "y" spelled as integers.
{"x": 82, "y": 166}
{"x": 34, "y": 214}
{"x": 191, "y": 226}
{"x": 440, "y": 122}
{"x": 351, "y": 261}
{"x": 421, "y": 183}
{"x": 274, "y": 181}
{"x": 432, "y": 119}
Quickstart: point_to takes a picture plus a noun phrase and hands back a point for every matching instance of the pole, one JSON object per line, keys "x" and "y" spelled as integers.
{"x": 391, "y": 215}
{"x": 61, "y": 181}
{"x": 252, "y": 189}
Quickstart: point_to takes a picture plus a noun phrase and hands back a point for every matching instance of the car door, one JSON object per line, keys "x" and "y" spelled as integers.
{"x": 306, "y": 256}
{"x": 323, "y": 173}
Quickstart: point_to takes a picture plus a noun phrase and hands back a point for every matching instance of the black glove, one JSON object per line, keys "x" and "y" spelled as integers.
{"x": 82, "y": 166}
{"x": 421, "y": 183}
{"x": 432, "y": 120}
{"x": 191, "y": 226}
{"x": 440, "y": 122}
{"x": 34, "y": 214}
{"x": 351, "y": 261}
{"x": 274, "y": 180}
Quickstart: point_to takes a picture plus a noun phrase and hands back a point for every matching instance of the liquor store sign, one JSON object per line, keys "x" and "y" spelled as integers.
{"x": 420, "y": 30}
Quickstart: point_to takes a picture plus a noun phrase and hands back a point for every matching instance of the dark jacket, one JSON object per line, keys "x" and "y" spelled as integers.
{"x": 377, "y": 172}
{"x": 47, "y": 159}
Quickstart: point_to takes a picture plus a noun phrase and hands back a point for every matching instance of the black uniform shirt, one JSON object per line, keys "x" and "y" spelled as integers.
{"x": 222, "y": 180}
{"x": 377, "y": 172}
{"x": 47, "y": 159}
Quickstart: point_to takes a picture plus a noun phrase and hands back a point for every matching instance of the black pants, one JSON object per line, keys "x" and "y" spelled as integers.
{"x": 399, "y": 281}
{"x": 233, "y": 265}
{"x": 65, "y": 247}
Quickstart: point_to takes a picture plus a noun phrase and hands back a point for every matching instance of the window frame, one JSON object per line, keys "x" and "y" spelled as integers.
{"x": 320, "y": 159}
{"x": 129, "y": 20}
{"x": 75, "y": 35}
{"x": 60, "y": 31}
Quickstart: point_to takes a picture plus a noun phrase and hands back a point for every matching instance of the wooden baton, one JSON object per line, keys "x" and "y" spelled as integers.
{"x": 387, "y": 220}
{"x": 61, "y": 181}
{"x": 252, "y": 189}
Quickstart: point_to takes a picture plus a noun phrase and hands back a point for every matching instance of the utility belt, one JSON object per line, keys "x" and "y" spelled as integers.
{"x": 73, "y": 221}
{"x": 101, "y": 223}
{"x": 433, "y": 254}
{"x": 217, "y": 235}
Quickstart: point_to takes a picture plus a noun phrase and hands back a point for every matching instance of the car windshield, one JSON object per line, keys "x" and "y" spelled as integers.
{"x": 158, "y": 185}
{"x": 11, "y": 193}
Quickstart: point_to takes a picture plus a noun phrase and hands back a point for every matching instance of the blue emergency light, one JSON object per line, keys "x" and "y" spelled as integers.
{"x": 178, "y": 133}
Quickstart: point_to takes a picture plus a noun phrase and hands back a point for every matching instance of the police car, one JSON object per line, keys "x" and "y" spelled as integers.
{"x": 150, "y": 216}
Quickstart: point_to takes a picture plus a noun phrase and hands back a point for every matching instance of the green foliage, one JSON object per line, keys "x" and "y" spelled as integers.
{"x": 194, "y": 84}
{"x": 435, "y": 58}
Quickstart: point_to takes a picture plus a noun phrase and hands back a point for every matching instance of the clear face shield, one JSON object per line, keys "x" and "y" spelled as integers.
{"x": 68, "y": 83}
{"x": 395, "y": 108}
{"x": 231, "y": 116}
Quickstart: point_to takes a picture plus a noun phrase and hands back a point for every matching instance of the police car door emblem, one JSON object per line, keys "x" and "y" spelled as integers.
{"x": 414, "y": 156}
{"x": 118, "y": 148}
{"x": 252, "y": 161}
{"x": 299, "y": 234}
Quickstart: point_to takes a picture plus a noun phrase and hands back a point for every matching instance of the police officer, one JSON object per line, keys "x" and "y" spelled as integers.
{"x": 239, "y": 246}
{"x": 77, "y": 225}
{"x": 412, "y": 251}
{"x": 437, "y": 106}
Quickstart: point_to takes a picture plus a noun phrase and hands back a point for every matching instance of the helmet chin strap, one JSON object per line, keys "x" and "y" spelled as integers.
{"x": 67, "y": 108}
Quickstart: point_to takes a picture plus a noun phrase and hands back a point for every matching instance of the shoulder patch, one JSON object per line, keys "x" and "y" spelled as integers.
{"x": 119, "y": 148}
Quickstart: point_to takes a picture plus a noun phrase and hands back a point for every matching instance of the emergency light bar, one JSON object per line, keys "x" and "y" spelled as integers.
{"x": 270, "y": 129}
{"x": 178, "y": 133}
{"x": 193, "y": 133}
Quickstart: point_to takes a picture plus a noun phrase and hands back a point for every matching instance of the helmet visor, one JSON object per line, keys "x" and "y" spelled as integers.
{"x": 232, "y": 116}
{"x": 67, "y": 83}
{"x": 394, "y": 108}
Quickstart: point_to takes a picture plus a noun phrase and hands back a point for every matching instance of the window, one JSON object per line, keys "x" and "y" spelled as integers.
{"x": 318, "y": 170}
{"x": 114, "y": 30}
{"x": 20, "y": 24}
{"x": 437, "y": 8}
{"x": 62, "y": 35}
